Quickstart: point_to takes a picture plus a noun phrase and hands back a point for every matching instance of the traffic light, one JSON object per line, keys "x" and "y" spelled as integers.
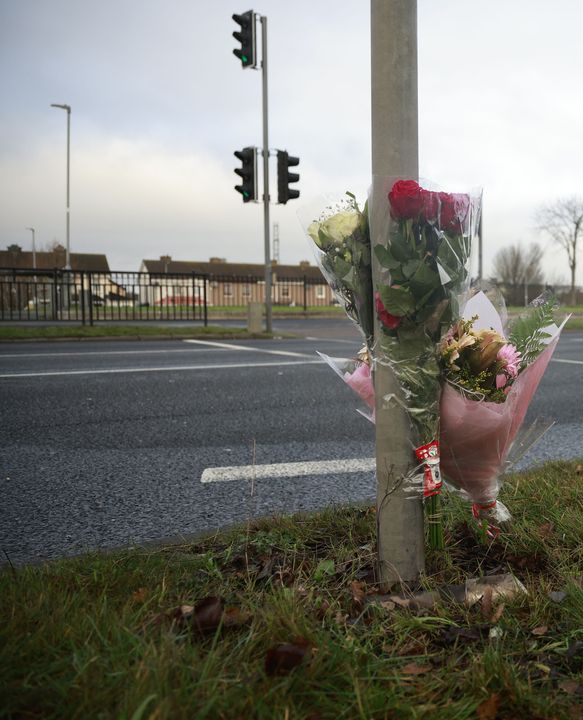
{"x": 246, "y": 36}
{"x": 248, "y": 173}
{"x": 284, "y": 177}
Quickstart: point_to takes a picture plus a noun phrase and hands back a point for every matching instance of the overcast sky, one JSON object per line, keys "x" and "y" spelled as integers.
{"x": 159, "y": 104}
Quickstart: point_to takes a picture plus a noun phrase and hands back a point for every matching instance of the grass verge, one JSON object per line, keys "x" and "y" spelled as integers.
{"x": 72, "y": 332}
{"x": 141, "y": 633}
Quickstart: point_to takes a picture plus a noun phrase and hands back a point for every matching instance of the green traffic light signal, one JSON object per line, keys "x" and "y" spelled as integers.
{"x": 248, "y": 173}
{"x": 246, "y": 36}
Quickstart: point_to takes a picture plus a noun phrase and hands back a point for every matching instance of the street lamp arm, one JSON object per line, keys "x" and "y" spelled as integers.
{"x": 64, "y": 107}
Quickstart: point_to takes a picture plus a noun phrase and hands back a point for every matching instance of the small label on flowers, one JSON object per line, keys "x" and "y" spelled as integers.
{"x": 429, "y": 456}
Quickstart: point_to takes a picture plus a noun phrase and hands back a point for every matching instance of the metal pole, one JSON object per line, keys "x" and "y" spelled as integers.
{"x": 33, "y": 248}
{"x": 268, "y": 323}
{"x": 394, "y": 154}
{"x": 68, "y": 247}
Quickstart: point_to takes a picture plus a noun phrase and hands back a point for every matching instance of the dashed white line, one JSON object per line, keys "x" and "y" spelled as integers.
{"x": 175, "y": 368}
{"x": 572, "y": 362}
{"x": 248, "y": 349}
{"x": 284, "y": 470}
{"x": 103, "y": 352}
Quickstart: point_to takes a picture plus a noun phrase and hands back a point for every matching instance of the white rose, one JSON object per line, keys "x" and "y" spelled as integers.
{"x": 335, "y": 229}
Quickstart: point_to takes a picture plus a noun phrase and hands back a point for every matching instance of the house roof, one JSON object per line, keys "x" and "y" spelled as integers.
{"x": 243, "y": 270}
{"x": 22, "y": 260}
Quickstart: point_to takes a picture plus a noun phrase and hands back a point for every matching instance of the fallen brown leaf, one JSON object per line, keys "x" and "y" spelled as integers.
{"x": 358, "y": 592}
{"x": 571, "y": 687}
{"x": 488, "y": 709}
{"x": 235, "y": 617}
{"x": 487, "y": 602}
{"x": 579, "y": 469}
{"x": 540, "y": 630}
{"x": 415, "y": 669}
{"x": 207, "y": 614}
{"x": 282, "y": 659}
{"x": 546, "y": 530}
{"x": 497, "y": 614}
{"x": 139, "y": 595}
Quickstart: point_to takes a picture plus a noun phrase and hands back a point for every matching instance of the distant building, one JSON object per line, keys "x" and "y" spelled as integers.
{"x": 55, "y": 259}
{"x": 26, "y": 281}
{"x": 232, "y": 283}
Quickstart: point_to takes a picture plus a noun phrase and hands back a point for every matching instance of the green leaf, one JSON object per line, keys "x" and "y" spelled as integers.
{"x": 410, "y": 268}
{"x": 385, "y": 258}
{"x": 397, "y": 301}
{"x": 341, "y": 267}
{"x": 324, "y": 568}
{"x": 400, "y": 248}
{"x": 424, "y": 280}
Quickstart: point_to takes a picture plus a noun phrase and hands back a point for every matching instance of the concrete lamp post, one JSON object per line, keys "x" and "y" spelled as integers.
{"x": 67, "y": 246}
{"x": 33, "y": 248}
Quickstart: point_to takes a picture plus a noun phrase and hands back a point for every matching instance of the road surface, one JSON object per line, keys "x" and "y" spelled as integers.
{"x": 108, "y": 443}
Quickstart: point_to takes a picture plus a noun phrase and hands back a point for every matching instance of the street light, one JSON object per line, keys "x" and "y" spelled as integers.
{"x": 33, "y": 248}
{"x": 68, "y": 109}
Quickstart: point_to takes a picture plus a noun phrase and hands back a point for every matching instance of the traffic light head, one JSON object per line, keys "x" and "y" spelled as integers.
{"x": 248, "y": 173}
{"x": 247, "y": 53}
{"x": 284, "y": 177}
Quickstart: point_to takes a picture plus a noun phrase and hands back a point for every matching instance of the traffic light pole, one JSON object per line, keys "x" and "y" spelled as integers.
{"x": 268, "y": 313}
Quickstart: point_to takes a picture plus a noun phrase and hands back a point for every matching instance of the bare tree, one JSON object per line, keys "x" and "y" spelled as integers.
{"x": 516, "y": 268}
{"x": 562, "y": 221}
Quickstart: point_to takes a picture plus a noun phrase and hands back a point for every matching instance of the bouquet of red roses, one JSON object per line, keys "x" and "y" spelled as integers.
{"x": 422, "y": 244}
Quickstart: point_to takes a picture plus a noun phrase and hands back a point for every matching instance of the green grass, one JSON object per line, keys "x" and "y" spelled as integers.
{"x": 103, "y": 636}
{"x": 97, "y": 331}
{"x": 314, "y": 310}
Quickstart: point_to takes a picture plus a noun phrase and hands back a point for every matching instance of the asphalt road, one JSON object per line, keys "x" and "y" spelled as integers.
{"x": 106, "y": 443}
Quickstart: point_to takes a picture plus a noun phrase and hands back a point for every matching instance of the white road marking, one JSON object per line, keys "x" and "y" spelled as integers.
{"x": 573, "y": 362}
{"x": 334, "y": 340}
{"x": 283, "y": 470}
{"x": 248, "y": 349}
{"x": 174, "y": 368}
{"x": 103, "y": 352}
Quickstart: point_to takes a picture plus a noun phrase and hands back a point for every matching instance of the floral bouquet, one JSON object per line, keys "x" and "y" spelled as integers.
{"x": 342, "y": 246}
{"x": 357, "y": 374}
{"x": 489, "y": 380}
{"x": 422, "y": 244}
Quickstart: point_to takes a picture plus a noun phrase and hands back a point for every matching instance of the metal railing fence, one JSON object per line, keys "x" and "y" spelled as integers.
{"x": 90, "y": 297}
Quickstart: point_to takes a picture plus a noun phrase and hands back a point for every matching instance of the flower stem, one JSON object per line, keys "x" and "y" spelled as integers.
{"x": 434, "y": 516}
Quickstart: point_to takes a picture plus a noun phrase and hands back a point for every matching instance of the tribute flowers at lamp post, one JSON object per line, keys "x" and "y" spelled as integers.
{"x": 422, "y": 246}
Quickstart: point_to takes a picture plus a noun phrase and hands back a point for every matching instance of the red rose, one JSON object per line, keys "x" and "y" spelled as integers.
{"x": 388, "y": 320}
{"x": 454, "y": 210}
{"x": 406, "y": 200}
{"x": 430, "y": 205}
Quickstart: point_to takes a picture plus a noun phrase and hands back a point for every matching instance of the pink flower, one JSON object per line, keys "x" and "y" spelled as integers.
{"x": 501, "y": 381}
{"x": 389, "y": 321}
{"x": 509, "y": 359}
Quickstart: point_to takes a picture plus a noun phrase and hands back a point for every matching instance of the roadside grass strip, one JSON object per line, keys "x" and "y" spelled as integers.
{"x": 282, "y": 618}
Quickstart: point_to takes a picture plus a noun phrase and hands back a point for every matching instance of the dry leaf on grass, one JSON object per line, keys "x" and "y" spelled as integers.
{"x": 358, "y": 592}
{"x": 497, "y": 614}
{"x": 488, "y": 709}
{"x": 139, "y": 595}
{"x": 415, "y": 669}
{"x": 487, "y": 602}
{"x": 282, "y": 659}
{"x": 571, "y": 687}
{"x": 207, "y": 614}
{"x": 540, "y": 630}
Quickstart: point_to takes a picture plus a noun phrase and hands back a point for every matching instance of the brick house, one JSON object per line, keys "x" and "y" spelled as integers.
{"x": 29, "y": 280}
{"x": 232, "y": 283}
